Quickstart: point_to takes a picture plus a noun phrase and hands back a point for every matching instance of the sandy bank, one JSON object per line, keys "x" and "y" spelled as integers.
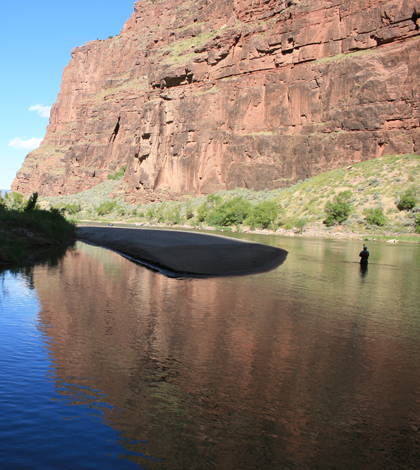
{"x": 186, "y": 252}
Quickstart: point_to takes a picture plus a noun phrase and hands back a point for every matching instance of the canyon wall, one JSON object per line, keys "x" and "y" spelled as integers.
{"x": 196, "y": 97}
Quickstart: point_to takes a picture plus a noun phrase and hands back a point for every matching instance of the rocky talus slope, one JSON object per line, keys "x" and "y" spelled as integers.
{"x": 200, "y": 96}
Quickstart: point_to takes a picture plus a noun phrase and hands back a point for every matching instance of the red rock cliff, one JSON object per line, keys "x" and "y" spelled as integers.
{"x": 206, "y": 95}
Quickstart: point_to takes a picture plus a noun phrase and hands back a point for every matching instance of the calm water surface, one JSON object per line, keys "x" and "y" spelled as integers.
{"x": 315, "y": 365}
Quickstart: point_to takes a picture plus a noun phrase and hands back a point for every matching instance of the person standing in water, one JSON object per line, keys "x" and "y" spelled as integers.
{"x": 364, "y": 256}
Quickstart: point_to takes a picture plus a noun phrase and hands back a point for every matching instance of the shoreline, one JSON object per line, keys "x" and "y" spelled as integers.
{"x": 185, "y": 253}
{"x": 336, "y": 232}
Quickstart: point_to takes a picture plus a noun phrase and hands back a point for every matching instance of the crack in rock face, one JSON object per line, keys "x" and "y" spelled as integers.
{"x": 115, "y": 132}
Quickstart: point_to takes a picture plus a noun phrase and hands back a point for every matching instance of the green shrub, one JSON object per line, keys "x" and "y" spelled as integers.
{"x": 106, "y": 207}
{"x": 150, "y": 214}
{"x": 31, "y": 204}
{"x": 203, "y": 212}
{"x": 46, "y": 227}
{"x": 214, "y": 200}
{"x": 118, "y": 174}
{"x": 264, "y": 214}
{"x": 212, "y": 203}
{"x": 189, "y": 214}
{"x": 301, "y": 223}
{"x": 417, "y": 228}
{"x": 374, "y": 182}
{"x": 409, "y": 199}
{"x": 72, "y": 208}
{"x": 159, "y": 213}
{"x": 173, "y": 216}
{"x": 14, "y": 200}
{"x": 375, "y": 217}
{"x": 339, "y": 209}
{"x": 346, "y": 195}
{"x": 231, "y": 212}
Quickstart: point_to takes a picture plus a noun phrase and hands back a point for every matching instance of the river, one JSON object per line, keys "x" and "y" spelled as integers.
{"x": 314, "y": 365}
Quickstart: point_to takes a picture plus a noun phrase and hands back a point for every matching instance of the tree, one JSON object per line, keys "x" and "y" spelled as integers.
{"x": 375, "y": 216}
{"x": 409, "y": 199}
{"x": 264, "y": 214}
{"x": 231, "y": 212}
{"x": 301, "y": 223}
{"x": 31, "y": 204}
{"x": 339, "y": 209}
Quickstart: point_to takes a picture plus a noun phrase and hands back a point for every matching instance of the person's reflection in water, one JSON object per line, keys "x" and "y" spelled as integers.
{"x": 363, "y": 269}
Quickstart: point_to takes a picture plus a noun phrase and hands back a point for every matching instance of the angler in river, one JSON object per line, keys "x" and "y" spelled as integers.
{"x": 364, "y": 256}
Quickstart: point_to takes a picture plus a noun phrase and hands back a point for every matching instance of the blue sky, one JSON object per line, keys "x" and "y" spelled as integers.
{"x": 36, "y": 38}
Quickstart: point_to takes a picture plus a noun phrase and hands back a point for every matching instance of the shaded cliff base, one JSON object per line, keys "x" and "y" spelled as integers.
{"x": 298, "y": 210}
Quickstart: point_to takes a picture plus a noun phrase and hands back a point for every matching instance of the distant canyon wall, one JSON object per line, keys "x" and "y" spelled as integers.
{"x": 196, "y": 97}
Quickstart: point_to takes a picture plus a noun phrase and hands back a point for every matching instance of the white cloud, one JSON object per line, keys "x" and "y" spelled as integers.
{"x": 43, "y": 111}
{"x": 28, "y": 144}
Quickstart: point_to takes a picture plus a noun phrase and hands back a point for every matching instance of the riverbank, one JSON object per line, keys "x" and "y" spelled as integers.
{"x": 312, "y": 231}
{"x": 378, "y": 198}
{"x": 186, "y": 253}
{"x": 28, "y": 235}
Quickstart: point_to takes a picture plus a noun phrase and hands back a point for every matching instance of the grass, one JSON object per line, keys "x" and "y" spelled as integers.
{"x": 127, "y": 85}
{"x": 118, "y": 174}
{"x": 348, "y": 55}
{"x": 374, "y": 184}
{"x": 177, "y": 50}
{"x": 191, "y": 25}
{"x": 213, "y": 89}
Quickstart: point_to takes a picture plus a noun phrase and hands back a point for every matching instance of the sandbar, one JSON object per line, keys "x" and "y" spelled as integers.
{"x": 186, "y": 253}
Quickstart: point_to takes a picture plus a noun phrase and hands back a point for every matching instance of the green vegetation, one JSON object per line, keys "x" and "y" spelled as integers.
{"x": 265, "y": 215}
{"x": 13, "y": 200}
{"x": 118, "y": 174}
{"x": 300, "y": 224}
{"x": 106, "y": 207}
{"x": 409, "y": 199}
{"x": 339, "y": 209}
{"x": 69, "y": 209}
{"x": 375, "y": 217}
{"x": 25, "y": 228}
{"x": 363, "y": 198}
{"x": 72, "y": 209}
{"x": 31, "y": 203}
{"x": 349, "y": 55}
{"x": 181, "y": 51}
{"x": 236, "y": 211}
{"x": 231, "y": 212}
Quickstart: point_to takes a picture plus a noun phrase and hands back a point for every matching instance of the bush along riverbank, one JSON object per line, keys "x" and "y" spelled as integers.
{"x": 27, "y": 232}
{"x": 374, "y": 199}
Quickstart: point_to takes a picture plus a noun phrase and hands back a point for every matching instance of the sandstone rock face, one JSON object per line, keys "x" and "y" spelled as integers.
{"x": 195, "y": 97}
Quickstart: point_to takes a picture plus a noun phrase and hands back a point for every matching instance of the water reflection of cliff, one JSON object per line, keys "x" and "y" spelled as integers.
{"x": 256, "y": 372}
